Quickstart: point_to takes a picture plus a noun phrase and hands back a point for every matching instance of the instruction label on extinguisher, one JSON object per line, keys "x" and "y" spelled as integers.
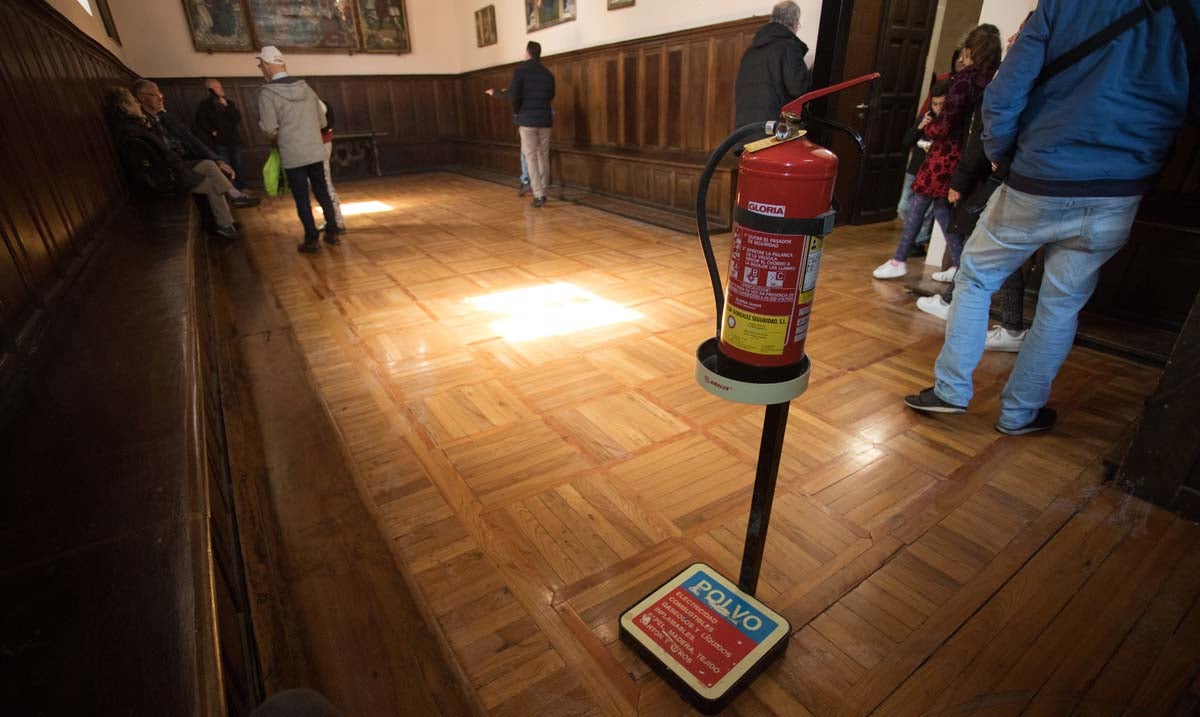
{"x": 770, "y": 275}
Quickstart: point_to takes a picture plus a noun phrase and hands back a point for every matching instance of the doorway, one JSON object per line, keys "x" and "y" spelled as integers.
{"x": 908, "y": 41}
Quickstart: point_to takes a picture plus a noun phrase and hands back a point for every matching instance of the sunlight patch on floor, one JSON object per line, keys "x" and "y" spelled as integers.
{"x": 551, "y": 310}
{"x": 349, "y": 209}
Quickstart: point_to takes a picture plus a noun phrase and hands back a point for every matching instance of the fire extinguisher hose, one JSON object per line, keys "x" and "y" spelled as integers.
{"x": 740, "y": 135}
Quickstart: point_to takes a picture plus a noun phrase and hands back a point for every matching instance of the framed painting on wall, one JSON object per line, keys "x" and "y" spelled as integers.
{"x": 384, "y": 26}
{"x": 618, "y": 4}
{"x": 544, "y": 13}
{"x": 485, "y": 26}
{"x": 305, "y": 24}
{"x": 218, "y": 25}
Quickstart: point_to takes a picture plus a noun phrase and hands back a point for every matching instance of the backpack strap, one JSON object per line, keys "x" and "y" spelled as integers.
{"x": 1123, "y": 24}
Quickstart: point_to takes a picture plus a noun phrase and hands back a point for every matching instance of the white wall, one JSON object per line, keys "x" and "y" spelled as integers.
{"x": 158, "y": 44}
{"x": 596, "y": 25}
{"x": 90, "y": 24}
{"x": 1006, "y": 14}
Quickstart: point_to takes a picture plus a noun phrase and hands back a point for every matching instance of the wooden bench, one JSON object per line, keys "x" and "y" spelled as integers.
{"x": 356, "y": 146}
{"x": 123, "y": 589}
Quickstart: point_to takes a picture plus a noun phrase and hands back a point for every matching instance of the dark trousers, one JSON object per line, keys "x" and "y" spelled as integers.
{"x": 232, "y": 155}
{"x": 299, "y": 179}
{"x": 918, "y": 205}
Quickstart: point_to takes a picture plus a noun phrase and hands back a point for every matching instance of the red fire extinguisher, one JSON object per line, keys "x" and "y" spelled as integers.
{"x": 783, "y": 213}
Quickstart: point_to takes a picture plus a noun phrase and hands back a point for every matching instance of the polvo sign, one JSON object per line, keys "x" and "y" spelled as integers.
{"x": 704, "y": 636}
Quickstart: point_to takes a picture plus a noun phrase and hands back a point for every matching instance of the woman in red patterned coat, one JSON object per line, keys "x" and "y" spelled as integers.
{"x": 981, "y": 56}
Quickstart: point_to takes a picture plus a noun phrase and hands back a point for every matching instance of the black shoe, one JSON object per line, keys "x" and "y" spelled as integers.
{"x": 928, "y": 402}
{"x": 228, "y": 232}
{"x": 525, "y": 189}
{"x": 331, "y": 237}
{"x": 245, "y": 202}
{"x": 1044, "y": 421}
{"x": 539, "y": 202}
{"x": 310, "y": 246}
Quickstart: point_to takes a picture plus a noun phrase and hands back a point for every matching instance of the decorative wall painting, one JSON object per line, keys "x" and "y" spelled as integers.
{"x": 218, "y": 25}
{"x": 618, "y": 4}
{"x": 384, "y": 26}
{"x": 306, "y": 24}
{"x": 485, "y": 26}
{"x": 544, "y": 13}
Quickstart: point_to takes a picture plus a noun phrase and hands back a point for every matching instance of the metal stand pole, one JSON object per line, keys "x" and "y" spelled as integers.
{"x": 769, "y": 452}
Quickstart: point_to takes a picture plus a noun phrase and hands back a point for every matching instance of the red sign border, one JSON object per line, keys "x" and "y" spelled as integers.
{"x": 731, "y": 682}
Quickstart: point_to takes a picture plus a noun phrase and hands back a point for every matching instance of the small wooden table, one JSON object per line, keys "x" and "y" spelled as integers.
{"x": 356, "y": 146}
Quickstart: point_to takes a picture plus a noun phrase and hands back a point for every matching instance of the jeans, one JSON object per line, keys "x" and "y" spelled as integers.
{"x": 918, "y": 206}
{"x": 299, "y": 179}
{"x": 524, "y": 170}
{"x": 231, "y": 154}
{"x": 902, "y": 210}
{"x": 1079, "y": 234}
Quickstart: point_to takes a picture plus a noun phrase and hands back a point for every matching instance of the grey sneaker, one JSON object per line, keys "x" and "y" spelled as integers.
{"x": 1043, "y": 421}
{"x": 928, "y": 402}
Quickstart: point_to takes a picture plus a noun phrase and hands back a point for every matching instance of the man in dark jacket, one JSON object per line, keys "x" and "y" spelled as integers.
{"x": 180, "y": 140}
{"x": 773, "y": 72}
{"x": 219, "y": 124}
{"x": 531, "y": 92}
{"x": 178, "y": 137}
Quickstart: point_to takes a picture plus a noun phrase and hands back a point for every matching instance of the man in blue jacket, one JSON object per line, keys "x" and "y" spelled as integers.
{"x": 1084, "y": 145}
{"x": 531, "y": 92}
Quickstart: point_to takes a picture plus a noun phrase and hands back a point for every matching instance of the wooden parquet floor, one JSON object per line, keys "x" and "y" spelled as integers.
{"x": 514, "y": 391}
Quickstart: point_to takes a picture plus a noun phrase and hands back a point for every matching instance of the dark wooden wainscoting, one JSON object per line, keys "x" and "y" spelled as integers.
{"x": 61, "y": 179}
{"x": 634, "y": 120}
{"x": 419, "y": 116}
{"x": 1146, "y": 290}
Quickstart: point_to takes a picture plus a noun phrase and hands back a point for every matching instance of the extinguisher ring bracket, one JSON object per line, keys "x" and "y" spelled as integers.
{"x": 739, "y": 390}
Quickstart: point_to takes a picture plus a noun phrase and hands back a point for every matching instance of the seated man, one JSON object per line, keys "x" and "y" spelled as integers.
{"x": 152, "y": 166}
{"x": 180, "y": 139}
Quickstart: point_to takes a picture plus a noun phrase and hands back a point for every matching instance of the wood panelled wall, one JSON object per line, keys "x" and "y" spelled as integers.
{"x": 419, "y": 114}
{"x": 61, "y": 179}
{"x": 633, "y": 120}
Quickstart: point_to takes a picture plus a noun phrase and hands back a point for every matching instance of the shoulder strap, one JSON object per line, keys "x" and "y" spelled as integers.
{"x": 1126, "y": 22}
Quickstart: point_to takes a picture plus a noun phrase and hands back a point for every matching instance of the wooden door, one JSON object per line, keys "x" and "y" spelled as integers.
{"x": 891, "y": 37}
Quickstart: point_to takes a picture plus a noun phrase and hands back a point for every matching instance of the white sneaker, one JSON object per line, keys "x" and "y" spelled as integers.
{"x": 934, "y": 306}
{"x": 890, "y": 270}
{"x": 999, "y": 339}
{"x": 947, "y": 276}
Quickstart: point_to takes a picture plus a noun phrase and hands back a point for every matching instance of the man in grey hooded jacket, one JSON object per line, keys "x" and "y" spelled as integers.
{"x": 291, "y": 114}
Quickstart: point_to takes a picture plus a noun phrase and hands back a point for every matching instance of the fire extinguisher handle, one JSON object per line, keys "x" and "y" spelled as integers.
{"x": 796, "y": 106}
{"x": 810, "y": 118}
